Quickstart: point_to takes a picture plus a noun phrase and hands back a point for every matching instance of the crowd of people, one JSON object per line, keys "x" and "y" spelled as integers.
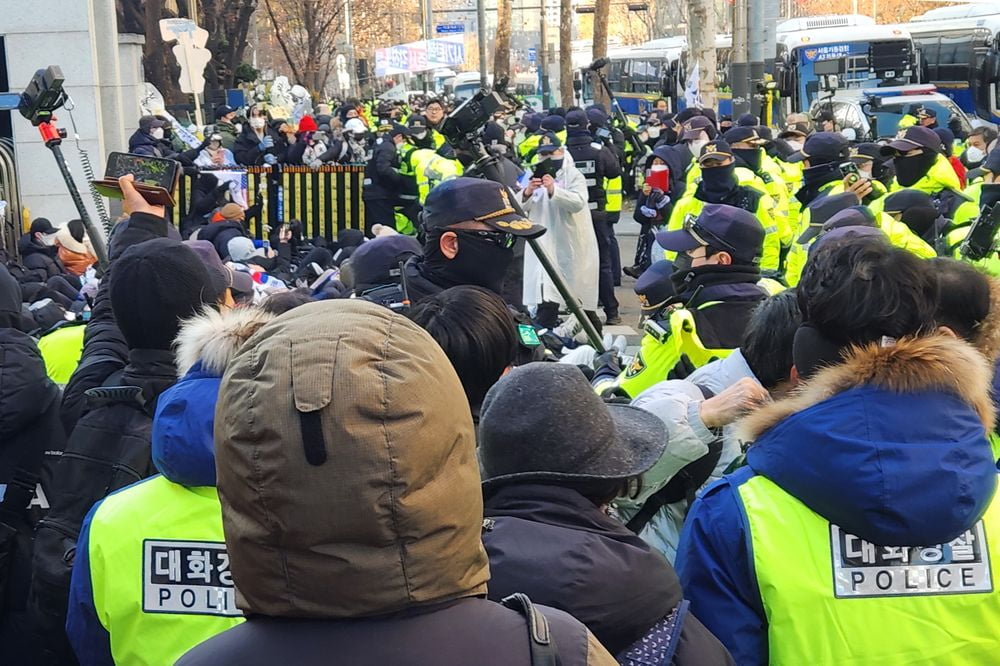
{"x": 400, "y": 446}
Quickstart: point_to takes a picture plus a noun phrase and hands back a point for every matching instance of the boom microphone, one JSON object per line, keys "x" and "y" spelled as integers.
{"x": 598, "y": 64}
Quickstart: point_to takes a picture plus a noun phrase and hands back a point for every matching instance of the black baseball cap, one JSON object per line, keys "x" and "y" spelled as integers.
{"x": 715, "y": 150}
{"x": 824, "y": 208}
{"x": 864, "y": 152}
{"x": 41, "y": 225}
{"x": 795, "y": 129}
{"x": 548, "y": 142}
{"x": 577, "y": 119}
{"x": 417, "y": 124}
{"x": 693, "y": 127}
{"x": 223, "y": 276}
{"x": 476, "y": 200}
{"x": 855, "y": 216}
{"x": 747, "y": 120}
{"x": 223, "y": 111}
{"x": 728, "y": 228}
{"x": 915, "y": 137}
{"x": 654, "y": 287}
{"x": 822, "y": 148}
{"x": 903, "y": 200}
{"x": 376, "y": 262}
{"x": 926, "y": 112}
{"x": 743, "y": 134}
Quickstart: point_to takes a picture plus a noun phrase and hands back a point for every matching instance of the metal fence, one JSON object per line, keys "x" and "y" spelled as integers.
{"x": 326, "y": 199}
{"x": 10, "y": 220}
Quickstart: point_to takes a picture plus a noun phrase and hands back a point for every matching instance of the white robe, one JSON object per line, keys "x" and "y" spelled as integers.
{"x": 569, "y": 241}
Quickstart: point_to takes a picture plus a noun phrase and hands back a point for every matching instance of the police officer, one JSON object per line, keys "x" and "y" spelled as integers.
{"x": 698, "y": 312}
{"x": 422, "y": 161}
{"x": 385, "y": 187}
{"x": 470, "y": 228}
{"x": 614, "y": 188}
{"x": 719, "y": 184}
{"x": 598, "y": 165}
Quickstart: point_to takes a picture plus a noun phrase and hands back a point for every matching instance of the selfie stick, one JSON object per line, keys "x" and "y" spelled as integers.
{"x": 52, "y": 136}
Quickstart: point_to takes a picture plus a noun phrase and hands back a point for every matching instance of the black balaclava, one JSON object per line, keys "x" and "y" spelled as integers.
{"x": 748, "y": 157}
{"x": 717, "y": 183}
{"x": 911, "y": 169}
{"x": 478, "y": 262}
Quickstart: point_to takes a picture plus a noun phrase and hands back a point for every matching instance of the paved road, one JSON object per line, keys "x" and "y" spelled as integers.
{"x": 627, "y": 232}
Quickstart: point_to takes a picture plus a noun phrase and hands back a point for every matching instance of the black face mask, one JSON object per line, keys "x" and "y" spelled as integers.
{"x": 717, "y": 183}
{"x": 750, "y": 157}
{"x": 482, "y": 259}
{"x": 911, "y": 169}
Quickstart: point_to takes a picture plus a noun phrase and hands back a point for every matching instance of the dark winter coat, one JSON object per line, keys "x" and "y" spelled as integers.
{"x": 40, "y": 261}
{"x": 109, "y": 449}
{"x": 247, "y": 150}
{"x": 29, "y": 430}
{"x": 220, "y": 233}
{"x": 382, "y": 177}
{"x": 560, "y": 549}
{"x": 141, "y": 143}
{"x": 104, "y": 348}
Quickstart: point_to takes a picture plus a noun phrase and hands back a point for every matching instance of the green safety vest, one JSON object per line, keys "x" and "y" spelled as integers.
{"x": 160, "y": 571}
{"x": 832, "y": 598}
{"x": 613, "y": 194}
{"x": 61, "y": 350}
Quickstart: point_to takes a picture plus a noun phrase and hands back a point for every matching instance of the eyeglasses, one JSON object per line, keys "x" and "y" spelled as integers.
{"x": 498, "y": 238}
{"x": 705, "y": 236}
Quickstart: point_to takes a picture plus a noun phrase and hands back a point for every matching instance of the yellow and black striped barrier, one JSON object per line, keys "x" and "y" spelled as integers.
{"x": 326, "y": 199}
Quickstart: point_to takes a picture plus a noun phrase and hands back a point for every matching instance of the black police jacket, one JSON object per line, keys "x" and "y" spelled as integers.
{"x": 382, "y": 177}
{"x": 596, "y": 162}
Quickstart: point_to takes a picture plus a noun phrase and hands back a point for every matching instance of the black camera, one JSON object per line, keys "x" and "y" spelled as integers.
{"x": 981, "y": 241}
{"x": 467, "y": 119}
{"x": 43, "y": 95}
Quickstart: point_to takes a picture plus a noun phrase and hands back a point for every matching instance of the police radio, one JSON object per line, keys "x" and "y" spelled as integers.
{"x": 982, "y": 239}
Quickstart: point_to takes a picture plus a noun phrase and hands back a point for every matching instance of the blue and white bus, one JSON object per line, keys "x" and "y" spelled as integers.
{"x": 958, "y": 51}
{"x": 861, "y": 53}
{"x": 853, "y": 48}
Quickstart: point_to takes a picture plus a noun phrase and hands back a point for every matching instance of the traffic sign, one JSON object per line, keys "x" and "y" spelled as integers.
{"x": 449, "y": 28}
{"x": 532, "y": 55}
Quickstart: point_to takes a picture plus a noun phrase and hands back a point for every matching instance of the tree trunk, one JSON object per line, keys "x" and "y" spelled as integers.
{"x": 501, "y": 52}
{"x": 701, "y": 44}
{"x": 566, "y": 53}
{"x": 602, "y": 11}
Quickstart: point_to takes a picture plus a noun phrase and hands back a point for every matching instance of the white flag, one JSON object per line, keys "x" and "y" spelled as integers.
{"x": 692, "y": 96}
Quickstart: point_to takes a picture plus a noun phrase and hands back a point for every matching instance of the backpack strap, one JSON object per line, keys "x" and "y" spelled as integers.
{"x": 542, "y": 646}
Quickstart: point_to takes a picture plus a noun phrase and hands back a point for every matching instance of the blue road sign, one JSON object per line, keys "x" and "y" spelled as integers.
{"x": 532, "y": 55}
{"x": 449, "y": 28}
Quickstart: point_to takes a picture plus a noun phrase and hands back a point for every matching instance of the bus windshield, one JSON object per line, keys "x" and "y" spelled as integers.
{"x": 888, "y": 115}
{"x": 849, "y": 61}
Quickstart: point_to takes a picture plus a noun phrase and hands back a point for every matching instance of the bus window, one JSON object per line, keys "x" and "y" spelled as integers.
{"x": 955, "y": 58}
{"x": 615, "y": 74}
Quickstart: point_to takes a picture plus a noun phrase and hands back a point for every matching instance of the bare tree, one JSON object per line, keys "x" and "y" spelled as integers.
{"x": 501, "y": 52}
{"x": 566, "y": 52}
{"x": 701, "y": 47}
{"x": 228, "y": 24}
{"x": 602, "y": 11}
{"x": 307, "y": 31}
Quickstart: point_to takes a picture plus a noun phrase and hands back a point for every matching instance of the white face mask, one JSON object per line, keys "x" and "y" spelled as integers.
{"x": 696, "y": 145}
{"x": 658, "y": 167}
{"x": 156, "y": 133}
{"x": 238, "y": 127}
{"x": 795, "y": 144}
{"x": 654, "y": 132}
{"x": 257, "y": 123}
{"x": 865, "y": 172}
{"x": 974, "y": 155}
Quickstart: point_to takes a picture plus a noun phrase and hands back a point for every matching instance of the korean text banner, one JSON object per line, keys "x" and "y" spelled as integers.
{"x": 420, "y": 56}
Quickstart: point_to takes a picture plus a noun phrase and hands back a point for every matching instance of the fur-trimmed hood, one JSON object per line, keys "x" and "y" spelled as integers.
{"x": 891, "y": 444}
{"x": 987, "y": 335}
{"x": 182, "y": 444}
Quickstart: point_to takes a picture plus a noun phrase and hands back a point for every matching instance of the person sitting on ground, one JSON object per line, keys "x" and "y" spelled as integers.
{"x": 75, "y": 251}
{"x": 554, "y": 457}
{"x": 393, "y": 447}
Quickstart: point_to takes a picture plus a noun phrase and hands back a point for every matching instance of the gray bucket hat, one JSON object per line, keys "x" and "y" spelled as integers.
{"x": 543, "y": 421}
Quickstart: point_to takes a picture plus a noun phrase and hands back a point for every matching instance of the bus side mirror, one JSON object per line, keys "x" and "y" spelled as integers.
{"x": 991, "y": 68}
{"x": 783, "y": 77}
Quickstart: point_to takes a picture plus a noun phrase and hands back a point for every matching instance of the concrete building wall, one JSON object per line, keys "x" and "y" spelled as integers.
{"x": 102, "y": 73}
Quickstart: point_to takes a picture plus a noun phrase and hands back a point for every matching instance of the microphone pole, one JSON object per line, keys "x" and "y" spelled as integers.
{"x": 633, "y": 137}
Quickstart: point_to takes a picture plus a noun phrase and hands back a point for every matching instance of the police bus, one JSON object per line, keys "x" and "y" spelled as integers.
{"x": 853, "y": 48}
{"x": 958, "y": 49}
{"x": 845, "y": 52}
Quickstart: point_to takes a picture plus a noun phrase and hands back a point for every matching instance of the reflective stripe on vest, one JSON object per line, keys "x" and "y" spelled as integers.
{"x": 160, "y": 571}
{"x": 834, "y": 598}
